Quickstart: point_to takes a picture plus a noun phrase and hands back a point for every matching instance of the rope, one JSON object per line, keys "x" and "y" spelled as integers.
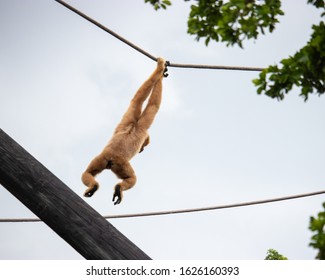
{"x": 178, "y": 65}
{"x": 183, "y": 211}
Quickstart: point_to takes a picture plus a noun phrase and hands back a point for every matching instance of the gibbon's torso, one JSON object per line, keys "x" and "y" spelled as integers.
{"x": 126, "y": 142}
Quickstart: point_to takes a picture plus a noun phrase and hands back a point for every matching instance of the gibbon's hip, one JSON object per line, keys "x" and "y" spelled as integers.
{"x": 124, "y": 146}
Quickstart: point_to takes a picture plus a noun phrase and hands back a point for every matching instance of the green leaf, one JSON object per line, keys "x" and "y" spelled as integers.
{"x": 317, "y": 224}
{"x": 274, "y": 255}
{"x": 158, "y": 4}
{"x": 207, "y": 40}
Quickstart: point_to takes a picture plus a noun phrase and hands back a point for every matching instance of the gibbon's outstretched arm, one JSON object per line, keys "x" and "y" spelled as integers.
{"x": 129, "y": 138}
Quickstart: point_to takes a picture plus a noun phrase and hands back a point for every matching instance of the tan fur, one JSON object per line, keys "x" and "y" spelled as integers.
{"x": 129, "y": 138}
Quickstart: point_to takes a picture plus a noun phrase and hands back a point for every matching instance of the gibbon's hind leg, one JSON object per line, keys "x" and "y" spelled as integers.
{"x": 97, "y": 165}
{"x": 123, "y": 170}
{"x": 145, "y": 89}
{"x": 133, "y": 113}
{"x": 152, "y": 107}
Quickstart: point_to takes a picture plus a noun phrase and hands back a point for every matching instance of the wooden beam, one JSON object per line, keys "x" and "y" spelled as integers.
{"x": 60, "y": 208}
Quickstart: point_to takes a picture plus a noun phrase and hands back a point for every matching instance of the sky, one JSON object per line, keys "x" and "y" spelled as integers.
{"x": 65, "y": 83}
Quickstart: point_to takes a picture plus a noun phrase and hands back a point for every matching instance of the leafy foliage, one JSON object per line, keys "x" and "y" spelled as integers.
{"x": 274, "y": 255}
{"x": 232, "y": 21}
{"x": 318, "y": 240}
{"x": 317, "y": 3}
{"x": 157, "y": 4}
{"x": 306, "y": 69}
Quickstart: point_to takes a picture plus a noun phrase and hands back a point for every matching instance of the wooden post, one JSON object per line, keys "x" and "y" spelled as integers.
{"x": 60, "y": 208}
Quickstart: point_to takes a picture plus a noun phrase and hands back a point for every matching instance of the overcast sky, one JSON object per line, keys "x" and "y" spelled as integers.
{"x": 64, "y": 85}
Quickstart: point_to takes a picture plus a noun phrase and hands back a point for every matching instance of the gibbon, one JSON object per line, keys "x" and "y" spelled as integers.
{"x": 129, "y": 138}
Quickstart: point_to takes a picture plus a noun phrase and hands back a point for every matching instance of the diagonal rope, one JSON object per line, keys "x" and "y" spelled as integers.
{"x": 178, "y": 65}
{"x": 107, "y": 30}
{"x": 183, "y": 211}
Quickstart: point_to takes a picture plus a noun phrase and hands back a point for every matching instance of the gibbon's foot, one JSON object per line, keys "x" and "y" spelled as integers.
{"x": 118, "y": 194}
{"x": 161, "y": 63}
{"x": 161, "y": 60}
{"x": 90, "y": 191}
{"x": 167, "y": 63}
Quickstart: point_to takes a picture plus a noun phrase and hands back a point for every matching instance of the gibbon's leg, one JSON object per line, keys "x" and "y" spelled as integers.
{"x": 124, "y": 171}
{"x": 133, "y": 113}
{"x": 97, "y": 165}
{"x": 152, "y": 108}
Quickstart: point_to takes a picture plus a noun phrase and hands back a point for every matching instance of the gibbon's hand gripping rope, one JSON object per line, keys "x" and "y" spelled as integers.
{"x": 178, "y": 65}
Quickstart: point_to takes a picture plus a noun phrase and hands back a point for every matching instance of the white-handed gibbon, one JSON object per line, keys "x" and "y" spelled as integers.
{"x": 129, "y": 138}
